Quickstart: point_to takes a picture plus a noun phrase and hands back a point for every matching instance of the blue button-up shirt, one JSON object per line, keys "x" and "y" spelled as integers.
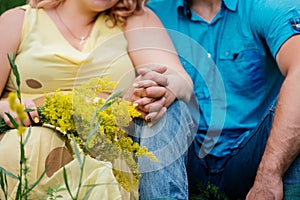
{"x": 232, "y": 63}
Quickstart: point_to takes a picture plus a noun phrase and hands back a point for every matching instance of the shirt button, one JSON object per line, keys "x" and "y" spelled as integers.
{"x": 208, "y": 55}
{"x": 226, "y": 53}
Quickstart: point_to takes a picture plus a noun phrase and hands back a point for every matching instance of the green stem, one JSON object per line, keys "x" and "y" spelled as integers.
{"x": 20, "y": 189}
{"x": 80, "y": 178}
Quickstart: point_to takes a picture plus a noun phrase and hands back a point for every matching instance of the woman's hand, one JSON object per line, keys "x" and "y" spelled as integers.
{"x": 32, "y": 117}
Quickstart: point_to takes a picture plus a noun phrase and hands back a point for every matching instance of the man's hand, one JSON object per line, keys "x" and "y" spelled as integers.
{"x": 266, "y": 187}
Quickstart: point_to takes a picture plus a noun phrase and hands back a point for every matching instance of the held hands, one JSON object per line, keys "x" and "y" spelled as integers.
{"x": 32, "y": 118}
{"x": 150, "y": 94}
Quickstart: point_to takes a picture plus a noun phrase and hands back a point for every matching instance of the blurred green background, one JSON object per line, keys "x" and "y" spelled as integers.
{"x": 7, "y": 4}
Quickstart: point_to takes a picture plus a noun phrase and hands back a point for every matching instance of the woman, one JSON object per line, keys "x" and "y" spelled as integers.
{"x": 51, "y": 39}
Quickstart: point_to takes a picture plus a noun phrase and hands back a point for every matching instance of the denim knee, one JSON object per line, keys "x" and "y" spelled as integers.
{"x": 169, "y": 140}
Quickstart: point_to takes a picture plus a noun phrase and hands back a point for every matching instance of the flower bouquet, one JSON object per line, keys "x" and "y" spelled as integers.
{"x": 99, "y": 126}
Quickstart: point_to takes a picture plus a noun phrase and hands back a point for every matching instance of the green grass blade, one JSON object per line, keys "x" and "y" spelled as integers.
{"x": 93, "y": 131}
{"x": 15, "y": 124}
{"x": 77, "y": 153}
{"x": 67, "y": 183}
{"x": 27, "y": 136}
{"x": 14, "y": 68}
{"x": 94, "y": 115}
{"x": 115, "y": 94}
{"x": 29, "y": 110}
{"x": 15, "y": 71}
{"x": 88, "y": 194}
{"x": 11, "y": 175}
{"x": 3, "y": 126}
{"x": 111, "y": 99}
{"x": 3, "y": 183}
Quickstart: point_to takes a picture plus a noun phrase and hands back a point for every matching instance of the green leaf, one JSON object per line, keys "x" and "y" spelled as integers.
{"x": 16, "y": 74}
{"x": 3, "y": 126}
{"x": 94, "y": 115}
{"x": 3, "y": 183}
{"x": 4, "y": 173}
{"x": 88, "y": 194}
{"x": 111, "y": 99}
{"x": 66, "y": 182}
{"x": 115, "y": 94}
{"x": 27, "y": 136}
{"x": 108, "y": 104}
{"x": 11, "y": 119}
{"x": 14, "y": 68}
{"x": 2, "y": 180}
{"x": 29, "y": 110}
{"x": 77, "y": 153}
{"x": 93, "y": 131}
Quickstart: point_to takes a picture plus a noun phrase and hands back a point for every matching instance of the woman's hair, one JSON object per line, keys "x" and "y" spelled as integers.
{"x": 118, "y": 13}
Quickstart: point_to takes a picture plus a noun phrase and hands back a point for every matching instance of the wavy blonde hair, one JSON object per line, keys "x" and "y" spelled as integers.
{"x": 118, "y": 13}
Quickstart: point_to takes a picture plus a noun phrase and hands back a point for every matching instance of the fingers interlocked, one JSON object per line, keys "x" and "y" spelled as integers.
{"x": 149, "y": 93}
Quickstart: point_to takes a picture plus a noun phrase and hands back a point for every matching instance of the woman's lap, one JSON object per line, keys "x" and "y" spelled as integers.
{"x": 47, "y": 148}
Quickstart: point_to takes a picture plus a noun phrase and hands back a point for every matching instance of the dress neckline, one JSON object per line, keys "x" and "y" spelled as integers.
{"x": 55, "y": 27}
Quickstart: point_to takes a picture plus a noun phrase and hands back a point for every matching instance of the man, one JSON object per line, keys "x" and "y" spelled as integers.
{"x": 243, "y": 145}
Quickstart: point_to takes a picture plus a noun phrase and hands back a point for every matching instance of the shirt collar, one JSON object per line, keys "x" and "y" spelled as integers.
{"x": 183, "y": 7}
{"x": 231, "y": 4}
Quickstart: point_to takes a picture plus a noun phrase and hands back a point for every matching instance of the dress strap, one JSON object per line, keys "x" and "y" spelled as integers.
{"x": 29, "y": 19}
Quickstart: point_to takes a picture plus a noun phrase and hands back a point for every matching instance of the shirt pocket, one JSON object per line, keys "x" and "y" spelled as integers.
{"x": 200, "y": 87}
{"x": 241, "y": 65}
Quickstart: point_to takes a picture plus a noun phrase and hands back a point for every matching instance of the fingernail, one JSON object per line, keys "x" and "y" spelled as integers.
{"x": 135, "y": 85}
{"x": 150, "y": 124}
{"x": 36, "y": 120}
{"x": 135, "y": 104}
{"x": 148, "y": 119}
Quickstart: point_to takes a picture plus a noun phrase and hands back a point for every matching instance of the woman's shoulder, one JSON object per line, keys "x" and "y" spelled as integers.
{"x": 11, "y": 24}
{"x": 14, "y": 16}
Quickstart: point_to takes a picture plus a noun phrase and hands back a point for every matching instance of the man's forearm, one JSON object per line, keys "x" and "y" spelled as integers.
{"x": 284, "y": 141}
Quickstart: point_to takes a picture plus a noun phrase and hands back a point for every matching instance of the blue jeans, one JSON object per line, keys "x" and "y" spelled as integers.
{"x": 236, "y": 176}
{"x": 169, "y": 140}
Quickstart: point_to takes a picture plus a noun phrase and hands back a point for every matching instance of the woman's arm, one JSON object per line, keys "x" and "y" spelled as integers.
{"x": 11, "y": 23}
{"x": 150, "y": 47}
{"x": 10, "y": 36}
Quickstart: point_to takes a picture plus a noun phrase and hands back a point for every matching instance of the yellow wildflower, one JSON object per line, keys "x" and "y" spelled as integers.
{"x": 20, "y": 112}
{"x": 79, "y": 113}
{"x": 12, "y": 100}
{"x": 21, "y": 130}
